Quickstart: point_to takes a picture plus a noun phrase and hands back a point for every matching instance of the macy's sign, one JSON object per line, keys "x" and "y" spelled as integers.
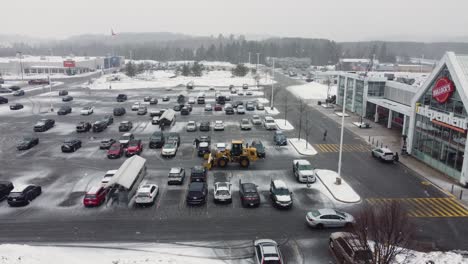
{"x": 443, "y": 89}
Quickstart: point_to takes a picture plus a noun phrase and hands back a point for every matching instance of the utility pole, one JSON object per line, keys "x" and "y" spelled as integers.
{"x": 272, "y": 85}
{"x": 21, "y": 64}
{"x": 249, "y": 58}
{"x": 342, "y": 131}
{"x": 50, "y": 93}
{"x": 258, "y": 61}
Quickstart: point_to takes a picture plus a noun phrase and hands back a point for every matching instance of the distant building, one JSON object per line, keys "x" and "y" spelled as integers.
{"x": 354, "y": 64}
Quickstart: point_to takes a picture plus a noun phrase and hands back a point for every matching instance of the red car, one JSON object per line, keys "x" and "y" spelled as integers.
{"x": 95, "y": 196}
{"x": 134, "y": 147}
{"x": 115, "y": 151}
{"x": 218, "y": 107}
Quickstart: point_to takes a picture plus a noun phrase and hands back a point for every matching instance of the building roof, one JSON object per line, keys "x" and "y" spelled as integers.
{"x": 463, "y": 61}
{"x": 128, "y": 172}
{"x": 27, "y": 58}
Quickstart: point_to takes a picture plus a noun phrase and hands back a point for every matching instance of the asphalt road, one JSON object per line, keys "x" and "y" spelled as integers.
{"x": 58, "y": 214}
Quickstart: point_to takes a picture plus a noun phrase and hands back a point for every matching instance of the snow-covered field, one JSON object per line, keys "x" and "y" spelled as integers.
{"x": 312, "y": 91}
{"x": 158, "y": 79}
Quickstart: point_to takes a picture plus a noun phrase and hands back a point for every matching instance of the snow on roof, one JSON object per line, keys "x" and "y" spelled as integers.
{"x": 463, "y": 61}
{"x": 175, "y": 170}
{"x": 355, "y": 60}
{"x": 129, "y": 170}
{"x": 280, "y": 184}
{"x": 27, "y": 58}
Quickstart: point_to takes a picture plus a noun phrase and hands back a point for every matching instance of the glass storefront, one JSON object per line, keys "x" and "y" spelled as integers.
{"x": 440, "y": 146}
{"x": 359, "y": 97}
{"x": 341, "y": 86}
{"x": 349, "y": 94}
{"x": 376, "y": 89}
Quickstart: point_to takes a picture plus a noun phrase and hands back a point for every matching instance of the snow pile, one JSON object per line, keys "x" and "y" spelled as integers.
{"x": 302, "y": 146}
{"x": 341, "y": 192}
{"x": 283, "y": 124}
{"x": 114, "y": 254}
{"x": 312, "y": 91}
{"x": 160, "y": 79}
{"x": 414, "y": 257}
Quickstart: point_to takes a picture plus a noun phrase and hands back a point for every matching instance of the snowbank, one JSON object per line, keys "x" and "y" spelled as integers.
{"x": 270, "y": 111}
{"x": 343, "y": 192}
{"x": 302, "y": 146}
{"x": 312, "y": 91}
{"x": 284, "y": 124}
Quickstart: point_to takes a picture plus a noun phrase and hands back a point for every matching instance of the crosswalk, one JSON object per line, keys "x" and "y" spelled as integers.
{"x": 426, "y": 207}
{"x": 346, "y": 147}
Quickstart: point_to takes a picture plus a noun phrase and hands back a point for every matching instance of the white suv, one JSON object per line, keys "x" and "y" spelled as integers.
{"x": 222, "y": 192}
{"x": 108, "y": 176}
{"x": 269, "y": 123}
{"x": 383, "y": 154}
{"x": 146, "y": 194}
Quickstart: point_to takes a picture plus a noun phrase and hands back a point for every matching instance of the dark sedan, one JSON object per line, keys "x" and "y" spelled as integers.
{"x": 44, "y": 125}
{"x": 71, "y": 145}
{"x": 23, "y": 195}
{"x": 83, "y": 127}
{"x": 67, "y": 98}
{"x": 260, "y": 148}
{"x": 16, "y": 106}
{"x": 27, "y": 143}
{"x": 249, "y": 194}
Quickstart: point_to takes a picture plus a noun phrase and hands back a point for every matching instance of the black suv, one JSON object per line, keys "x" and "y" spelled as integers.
{"x": 260, "y": 148}
{"x": 67, "y": 98}
{"x": 280, "y": 194}
{"x": 27, "y": 143}
{"x": 99, "y": 126}
{"x": 63, "y": 93}
{"x": 3, "y": 100}
{"x": 229, "y": 110}
{"x": 64, "y": 110}
{"x": 173, "y": 136}
{"x": 5, "y": 189}
{"x": 198, "y": 174}
{"x": 204, "y": 126}
{"x": 107, "y": 143}
{"x": 125, "y": 126}
{"x": 156, "y": 140}
{"x": 197, "y": 192}
{"x": 249, "y": 194}
{"x": 121, "y": 98}
{"x": 108, "y": 119}
{"x": 83, "y": 127}
{"x": 24, "y": 195}
{"x": 185, "y": 111}
{"x": 44, "y": 125}
{"x": 71, "y": 145}
{"x": 119, "y": 111}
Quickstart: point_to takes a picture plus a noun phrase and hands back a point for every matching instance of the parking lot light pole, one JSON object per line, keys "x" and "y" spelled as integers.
{"x": 272, "y": 84}
{"x": 338, "y": 179}
{"x": 50, "y": 91}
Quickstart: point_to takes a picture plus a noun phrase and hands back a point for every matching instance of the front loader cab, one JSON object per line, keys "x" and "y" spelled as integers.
{"x": 236, "y": 148}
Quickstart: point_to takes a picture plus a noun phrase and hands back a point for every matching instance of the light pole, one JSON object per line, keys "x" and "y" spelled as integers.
{"x": 50, "y": 91}
{"x": 342, "y": 131}
{"x": 272, "y": 84}
{"x": 21, "y": 64}
{"x": 258, "y": 61}
{"x": 249, "y": 58}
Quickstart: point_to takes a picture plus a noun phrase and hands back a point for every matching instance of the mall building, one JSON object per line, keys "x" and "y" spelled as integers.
{"x": 431, "y": 113}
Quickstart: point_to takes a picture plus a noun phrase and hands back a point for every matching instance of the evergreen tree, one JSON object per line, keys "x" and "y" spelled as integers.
{"x": 240, "y": 70}
{"x": 130, "y": 69}
{"x": 197, "y": 69}
{"x": 185, "y": 70}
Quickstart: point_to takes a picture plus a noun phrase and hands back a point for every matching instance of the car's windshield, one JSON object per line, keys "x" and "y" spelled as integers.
{"x": 143, "y": 194}
{"x": 169, "y": 145}
{"x": 305, "y": 167}
{"x": 133, "y": 143}
{"x": 90, "y": 196}
{"x": 115, "y": 147}
{"x": 222, "y": 192}
{"x": 195, "y": 194}
{"x": 15, "y": 194}
{"x": 125, "y": 138}
{"x": 281, "y": 191}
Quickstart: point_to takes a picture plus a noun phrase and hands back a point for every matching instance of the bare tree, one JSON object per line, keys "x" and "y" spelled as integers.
{"x": 388, "y": 227}
{"x": 308, "y": 128}
{"x": 302, "y": 107}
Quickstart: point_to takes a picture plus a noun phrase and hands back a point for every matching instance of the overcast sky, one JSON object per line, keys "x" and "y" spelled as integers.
{"x": 341, "y": 20}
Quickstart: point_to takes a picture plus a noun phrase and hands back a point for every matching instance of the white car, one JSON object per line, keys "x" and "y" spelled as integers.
{"x": 256, "y": 120}
{"x": 191, "y": 126}
{"x": 191, "y": 100}
{"x": 108, "y": 176}
{"x": 240, "y": 93}
{"x": 303, "y": 171}
{"x": 208, "y": 108}
{"x": 146, "y": 194}
{"x": 219, "y": 125}
{"x": 321, "y": 218}
{"x": 245, "y": 124}
{"x": 269, "y": 123}
{"x": 125, "y": 138}
{"x": 240, "y": 110}
{"x": 222, "y": 192}
{"x": 383, "y": 154}
{"x": 267, "y": 251}
{"x": 136, "y": 106}
{"x": 169, "y": 149}
{"x": 155, "y": 120}
{"x": 87, "y": 110}
{"x": 221, "y": 147}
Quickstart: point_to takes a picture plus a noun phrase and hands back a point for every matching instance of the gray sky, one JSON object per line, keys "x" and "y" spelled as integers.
{"x": 340, "y": 20}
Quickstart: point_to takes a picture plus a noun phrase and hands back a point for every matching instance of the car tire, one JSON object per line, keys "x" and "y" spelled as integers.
{"x": 244, "y": 162}
{"x": 319, "y": 226}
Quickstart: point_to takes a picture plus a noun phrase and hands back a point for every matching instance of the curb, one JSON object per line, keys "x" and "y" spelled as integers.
{"x": 347, "y": 202}
{"x": 307, "y": 155}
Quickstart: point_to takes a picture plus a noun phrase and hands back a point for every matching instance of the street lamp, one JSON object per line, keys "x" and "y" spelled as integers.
{"x": 338, "y": 179}
{"x": 21, "y": 63}
{"x": 272, "y": 84}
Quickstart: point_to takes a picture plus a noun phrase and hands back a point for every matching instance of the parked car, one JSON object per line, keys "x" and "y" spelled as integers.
{"x": 222, "y": 192}
{"x": 328, "y": 217}
{"x": 191, "y": 100}
{"x": 280, "y": 194}
{"x": 134, "y": 147}
{"x": 260, "y": 106}
{"x": 384, "y": 154}
{"x": 250, "y": 106}
{"x": 83, "y": 127}
{"x": 14, "y": 87}
{"x": 115, "y": 151}
{"x": 249, "y": 93}
{"x": 38, "y": 82}
{"x": 87, "y": 110}
{"x": 240, "y": 110}
{"x": 153, "y": 101}
{"x": 169, "y": 149}
{"x": 303, "y": 171}
{"x": 155, "y": 120}
{"x": 245, "y": 86}
{"x": 185, "y": 111}
{"x": 27, "y": 143}
{"x": 136, "y": 106}
{"x": 3, "y": 100}
{"x": 125, "y": 138}
{"x": 125, "y": 126}
{"x": 67, "y": 98}
{"x": 208, "y": 108}
{"x": 176, "y": 176}
{"x": 258, "y": 145}
{"x": 228, "y": 110}
{"x": 95, "y": 196}
{"x": 218, "y": 126}
{"x": 99, "y": 126}
{"x": 197, "y": 192}
{"x": 23, "y": 195}
{"x": 121, "y": 98}
{"x": 280, "y": 138}
{"x": 16, "y": 106}
{"x": 198, "y": 173}
{"x": 5, "y": 188}
{"x": 18, "y": 93}
{"x": 71, "y": 145}
{"x": 267, "y": 251}
{"x": 119, "y": 111}
{"x": 108, "y": 176}
{"x": 191, "y": 126}
{"x": 156, "y": 112}
{"x": 156, "y": 140}
{"x": 106, "y": 143}
{"x": 146, "y": 98}
{"x": 63, "y": 92}
{"x": 64, "y": 110}
{"x": 146, "y": 194}
{"x": 245, "y": 124}
{"x": 4, "y": 90}
{"x": 204, "y": 126}
{"x": 218, "y": 107}
{"x": 108, "y": 119}
{"x": 177, "y": 108}
{"x": 248, "y": 194}
{"x": 237, "y": 104}
{"x": 269, "y": 123}
{"x": 165, "y": 98}
{"x": 142, "y": 110}
{"x": 173, "y": 136}
{"x": 201, "y": 99}
{"x": 44, "y": 125}
{"x": 346, "y": 248}
{"x": 256, "y": 120}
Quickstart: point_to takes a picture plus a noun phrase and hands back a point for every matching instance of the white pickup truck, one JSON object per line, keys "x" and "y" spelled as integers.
{"x": 303, "y": 171}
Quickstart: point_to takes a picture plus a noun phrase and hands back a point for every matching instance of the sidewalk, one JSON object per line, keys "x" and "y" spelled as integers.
{"x": 391, "y": 138}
